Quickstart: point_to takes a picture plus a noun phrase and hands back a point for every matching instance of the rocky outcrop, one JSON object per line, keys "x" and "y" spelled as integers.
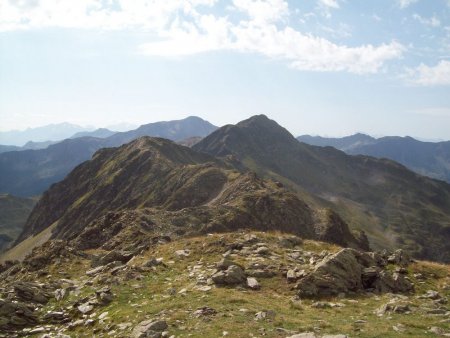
{"x": 350, "y": 270}
{"x": 31, "y": 292}
{"x": 14, "y": 315}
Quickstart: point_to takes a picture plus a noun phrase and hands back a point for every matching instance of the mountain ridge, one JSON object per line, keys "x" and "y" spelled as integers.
{"x": 180, "y": 190}
{"x": 374, "y": 194}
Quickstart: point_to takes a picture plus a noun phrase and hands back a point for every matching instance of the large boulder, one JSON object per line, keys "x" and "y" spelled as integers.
{"x": 231, "y": 276}
{"x": 335, "y": 274}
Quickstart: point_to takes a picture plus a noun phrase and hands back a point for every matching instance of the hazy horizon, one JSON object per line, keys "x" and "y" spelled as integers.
{"x": 126, "y": 127}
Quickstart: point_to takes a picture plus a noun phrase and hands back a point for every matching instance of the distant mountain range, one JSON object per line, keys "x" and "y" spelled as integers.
{"x": 30, "y": 145}
{"x": 427, "y": 158}
{"x": 51, "y": 132}
{"x": 30, "y": 172}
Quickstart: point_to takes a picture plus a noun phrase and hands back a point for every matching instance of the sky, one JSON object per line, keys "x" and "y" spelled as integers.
{"x": 320, "y": 67}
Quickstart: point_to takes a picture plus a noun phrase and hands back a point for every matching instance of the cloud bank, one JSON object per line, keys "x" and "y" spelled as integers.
{"x": 187, "y": 27}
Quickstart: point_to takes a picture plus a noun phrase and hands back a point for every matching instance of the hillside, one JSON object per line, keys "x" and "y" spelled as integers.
{"x": 426, "y": 158}
{"x": 167, "y": 187}
{"x": 395, "y": 206}
{"x": 14, "y": 212}
{"x": 186, "y": 288}
{"x": 31, "y": 172}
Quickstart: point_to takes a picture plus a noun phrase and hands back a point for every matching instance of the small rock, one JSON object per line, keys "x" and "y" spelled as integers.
{"x": 204, "y": 288}
{"x": 182, "y": 253}
{"x": 153, "y": 262}
{"x": 205, "y": 311}
{"x": 253, "y": 284}
{"x": 437, "y": 330}
{"x": 85, "y": 308}
{"x": 224, "y": 263}
{"x": 265, "y": 315}
{"x": 95, "y": 271}
{"x": 431, "y": 294}
{"x": 262, "y": 251}
{"x": 304, "y": 335}
{"x": 103, "y": 315}
{"x": 399, "y": 327}
{"x": 60, "y": 294}
{"x": 37, "y": 330}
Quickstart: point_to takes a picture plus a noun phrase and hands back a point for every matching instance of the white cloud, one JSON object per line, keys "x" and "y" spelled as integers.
{"x": 187, "y": 27}
{"x": 406, "y": 3}
{"x": 263, "y": 11}
{"x": 424, "y": 75}
{"x": 433, "y": 21}
{"x": 329, "y": 3}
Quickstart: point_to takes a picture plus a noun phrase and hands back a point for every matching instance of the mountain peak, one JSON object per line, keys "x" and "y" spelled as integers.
{"x": 248, "y": 136}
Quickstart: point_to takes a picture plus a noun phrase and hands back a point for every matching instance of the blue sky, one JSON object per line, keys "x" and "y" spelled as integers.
{"x": 322, "y": 67}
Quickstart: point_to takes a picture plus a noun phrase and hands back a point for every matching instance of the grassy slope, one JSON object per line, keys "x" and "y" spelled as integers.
{"x": 137, "y": 300}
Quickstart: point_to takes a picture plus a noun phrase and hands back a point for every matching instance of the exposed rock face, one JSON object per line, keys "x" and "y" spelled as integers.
{"x": 15, "y": 315}
{"x": 350, "y": 270}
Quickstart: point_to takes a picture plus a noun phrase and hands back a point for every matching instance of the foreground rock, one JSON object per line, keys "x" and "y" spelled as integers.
{"x": 350, "y": 270}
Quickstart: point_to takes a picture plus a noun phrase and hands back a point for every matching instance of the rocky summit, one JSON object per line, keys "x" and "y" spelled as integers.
{"x": 238, "y": 284}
